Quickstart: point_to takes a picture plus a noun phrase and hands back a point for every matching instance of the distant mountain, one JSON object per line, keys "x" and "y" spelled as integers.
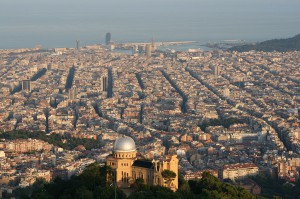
{"x": 280, "y": 45}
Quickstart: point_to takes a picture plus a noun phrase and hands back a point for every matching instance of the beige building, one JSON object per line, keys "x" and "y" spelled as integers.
{"x": 25, "y": 145}
{"x": 239, "y": 170}
{"x": 127, "y": 167}
{"x": 287, "y": 169}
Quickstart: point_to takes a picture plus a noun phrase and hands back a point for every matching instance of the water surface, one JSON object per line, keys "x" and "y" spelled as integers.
{"x": 58, "y": 23}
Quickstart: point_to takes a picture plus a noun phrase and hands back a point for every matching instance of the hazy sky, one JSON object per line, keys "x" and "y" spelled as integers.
{"x": 23, "y": 23}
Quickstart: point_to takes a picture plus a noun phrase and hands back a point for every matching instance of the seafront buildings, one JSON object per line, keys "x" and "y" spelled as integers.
{"x": 161, "y": 101}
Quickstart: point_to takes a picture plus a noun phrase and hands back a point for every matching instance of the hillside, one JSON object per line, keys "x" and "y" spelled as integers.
{"x": 92, "y": 183}
{"x": 280, "y": 45}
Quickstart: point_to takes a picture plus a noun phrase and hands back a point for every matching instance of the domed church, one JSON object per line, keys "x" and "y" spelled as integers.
{"x": 127, "y": 167}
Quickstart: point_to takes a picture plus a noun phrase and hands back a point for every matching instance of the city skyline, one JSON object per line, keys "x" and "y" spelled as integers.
{"x": 149, "y": 99}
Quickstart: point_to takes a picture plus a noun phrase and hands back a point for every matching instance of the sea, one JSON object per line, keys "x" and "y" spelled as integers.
{"x": 59, "y": 23}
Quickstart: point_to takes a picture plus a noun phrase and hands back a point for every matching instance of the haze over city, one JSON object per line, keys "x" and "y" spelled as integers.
{"x": 57, "y": 23}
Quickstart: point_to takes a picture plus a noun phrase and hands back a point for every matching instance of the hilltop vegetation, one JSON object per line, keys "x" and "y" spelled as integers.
{"x": 280, "y": 45}
{"x": 92, "y": 183}
{"x": 277, "y": 187}
{"x": 64, "y": 142}
{"x": 226, "y": 123}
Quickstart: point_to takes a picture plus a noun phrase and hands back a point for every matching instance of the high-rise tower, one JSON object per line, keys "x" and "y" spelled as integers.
{"x": 73, "y": 93}
{"x": 107, "y": 38}
{"x": 77, "y": 44}
{"x": 148, "y": 50}
{"x": 26, "y": 85}
{"x": 217, "y": 70}
{"x": 104, "y": 84}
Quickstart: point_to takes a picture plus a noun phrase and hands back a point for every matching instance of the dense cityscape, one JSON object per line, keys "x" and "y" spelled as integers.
{"x": 233, "y": 114}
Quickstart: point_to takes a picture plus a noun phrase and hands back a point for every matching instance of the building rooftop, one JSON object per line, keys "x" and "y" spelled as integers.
{"x": 124, "y": 144}
{"x": 143, "y": 163}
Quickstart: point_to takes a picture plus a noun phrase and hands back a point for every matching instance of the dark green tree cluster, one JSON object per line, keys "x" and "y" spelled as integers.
{"x": 92, "y": 183}
{"x": 68, "y": 143}
{"x": 95, "y": 182}
{"x": 273, "y": 188}
{"x": 220, "y": 122}
{"x": 209, "y": 187}
{"x": 155, "y": 192}
{"x": 280, "y": 45}
{"x": 168, "y": 176}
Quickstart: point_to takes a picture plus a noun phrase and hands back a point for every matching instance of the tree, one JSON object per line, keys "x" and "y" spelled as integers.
{"x": 107, "y": 175}
{"x": 168, "y": 176}
{"x": 138, "y": 184}
{"x": 212, "y": 188}
{"x": 183, "y": 185}
{"x": 92, "y": 184}
{"x": 156, "y": 192}
{"x": 83, "y": 193}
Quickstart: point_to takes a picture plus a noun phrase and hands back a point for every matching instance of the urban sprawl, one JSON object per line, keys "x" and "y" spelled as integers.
{"x": 168, "y": 102}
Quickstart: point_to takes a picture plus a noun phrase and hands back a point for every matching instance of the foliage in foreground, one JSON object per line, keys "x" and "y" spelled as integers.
{"x": 88, "y": 185}
{"x": 280, "y": 188}
{"x": 92, "y": 183}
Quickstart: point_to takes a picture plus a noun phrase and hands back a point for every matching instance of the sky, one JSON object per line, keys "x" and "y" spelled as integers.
{"x": 58, "y": 23}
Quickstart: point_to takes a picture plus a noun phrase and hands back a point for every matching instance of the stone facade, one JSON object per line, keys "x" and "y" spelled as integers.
{"x": 127, "y": 167}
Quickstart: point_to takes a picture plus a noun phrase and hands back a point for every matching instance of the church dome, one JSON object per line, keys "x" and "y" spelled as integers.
{"x": 124, "y": 144}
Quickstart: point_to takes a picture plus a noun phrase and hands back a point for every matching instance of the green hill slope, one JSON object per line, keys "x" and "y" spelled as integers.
{"x": 280, "y": 45}
{"x": 93, "y": 184}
